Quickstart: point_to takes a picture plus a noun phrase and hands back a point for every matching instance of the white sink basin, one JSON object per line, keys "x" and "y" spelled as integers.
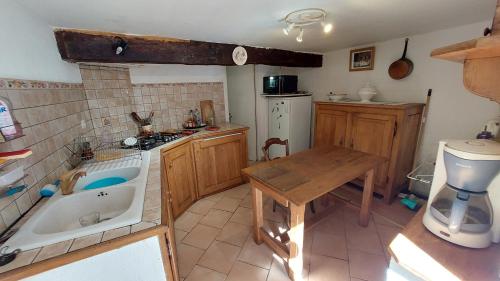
{"x": 117, "y": 205}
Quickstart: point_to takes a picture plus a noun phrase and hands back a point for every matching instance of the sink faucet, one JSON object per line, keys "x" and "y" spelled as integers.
{"x": 69, "y": 179}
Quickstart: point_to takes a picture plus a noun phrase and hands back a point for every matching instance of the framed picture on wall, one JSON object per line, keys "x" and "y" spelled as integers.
{"x": 362, "y": 59}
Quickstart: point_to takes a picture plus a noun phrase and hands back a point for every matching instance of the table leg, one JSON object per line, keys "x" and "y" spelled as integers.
{"x": 258, "y": 216}
{"x": 364, "y": 215}
{"x": 296, "y": 234}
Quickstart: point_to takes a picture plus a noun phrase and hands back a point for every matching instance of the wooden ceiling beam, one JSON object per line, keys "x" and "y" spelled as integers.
{"x": 93, "y": 46}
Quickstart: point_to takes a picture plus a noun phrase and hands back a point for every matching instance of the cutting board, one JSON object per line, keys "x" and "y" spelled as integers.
{"x": 207, "y": 111}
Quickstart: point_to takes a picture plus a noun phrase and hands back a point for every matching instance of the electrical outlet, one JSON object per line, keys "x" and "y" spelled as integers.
{"x": 83, "y": 124}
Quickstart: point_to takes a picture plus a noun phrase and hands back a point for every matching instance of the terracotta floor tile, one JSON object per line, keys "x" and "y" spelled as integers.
{"x": 187, "y": 256}
{"x": 247, "y": 201}
{"x": 179, "y": 235}
{"x": 201, "y": 207}
{"x": 215, "y": 198}
{"x": 361, "y": 238}
{"x": 220, "y": 257}
{"x": 328, "y": 269}
{"x": 204, "y": 274}
{"x": 238, "y": 192}
{"x": 227, "y": 204}
{"x": 245, "y": 272}
{"x": 234, "y": 233}
{"x": 187, "y": 221}
{"x": 259, "y": 255}
{"x": 333, "y": 224}
{"x": 329, "y": 245}
{"x": 367, "y": 266}
{"x": 242, "y": 216}
{"x": 201, "y": 236}
{"x": 278, "y": 271}
{"x": 216, "y": 218}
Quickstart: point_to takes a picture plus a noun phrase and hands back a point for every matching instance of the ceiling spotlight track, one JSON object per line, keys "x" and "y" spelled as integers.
{"x": 305, "y": 17}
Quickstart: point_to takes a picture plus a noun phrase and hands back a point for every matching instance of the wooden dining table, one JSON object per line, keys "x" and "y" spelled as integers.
{"x": 295, "y": 180}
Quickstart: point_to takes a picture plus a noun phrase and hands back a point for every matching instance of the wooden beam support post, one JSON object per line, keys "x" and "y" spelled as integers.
{"x": 92, "y": 46}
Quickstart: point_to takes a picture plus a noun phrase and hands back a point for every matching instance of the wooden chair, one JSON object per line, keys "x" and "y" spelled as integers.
{"x": 265, "y": 150}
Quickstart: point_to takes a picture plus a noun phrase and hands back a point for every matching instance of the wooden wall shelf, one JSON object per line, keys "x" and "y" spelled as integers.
{"x": 485, "y": 47}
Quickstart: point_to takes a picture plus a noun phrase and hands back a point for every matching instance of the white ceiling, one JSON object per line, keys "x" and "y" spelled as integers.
{"x": 256, "y": 22}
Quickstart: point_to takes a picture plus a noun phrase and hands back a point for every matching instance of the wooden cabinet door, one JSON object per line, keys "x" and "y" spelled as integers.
{"x": 330, "y": 127}
{"x": 374, "y": 133}
{"x": 180, "y": 177}
{"x": 219, "y": 161}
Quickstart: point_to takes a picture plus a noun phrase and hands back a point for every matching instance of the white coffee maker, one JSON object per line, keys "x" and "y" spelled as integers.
{"x": 464, "y": 200}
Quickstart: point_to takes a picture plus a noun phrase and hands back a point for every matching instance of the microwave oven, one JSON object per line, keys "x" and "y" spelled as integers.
{"x": 280, "y": 84}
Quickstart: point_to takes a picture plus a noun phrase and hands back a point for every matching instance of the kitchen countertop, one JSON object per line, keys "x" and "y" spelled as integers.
{"x": 378, "y": 104}
{"x": 150, "y": 216}
{"x": 437, "y": 259}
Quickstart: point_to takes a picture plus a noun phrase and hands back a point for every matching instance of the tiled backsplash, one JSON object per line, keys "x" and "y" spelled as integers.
{"x": 50, "y": 114}
{"x": 171, "y": 102}
{"x": 108, "y": 92}
{"x": 111, "y": 96}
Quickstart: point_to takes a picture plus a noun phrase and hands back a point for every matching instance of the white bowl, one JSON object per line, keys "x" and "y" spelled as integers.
{"x": 366, "y": 94}
{"x": 337, "y": 97}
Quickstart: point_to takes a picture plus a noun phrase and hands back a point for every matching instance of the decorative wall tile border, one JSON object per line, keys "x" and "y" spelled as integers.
{"x": 142, "y": 85}
{"x": 7, "y": 83}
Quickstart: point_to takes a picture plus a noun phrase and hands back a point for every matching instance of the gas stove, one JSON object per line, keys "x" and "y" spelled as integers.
{"x": 157, "y": 139}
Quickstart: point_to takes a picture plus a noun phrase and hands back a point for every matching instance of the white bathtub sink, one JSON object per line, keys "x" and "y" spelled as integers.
{"x": 118, "y": 205}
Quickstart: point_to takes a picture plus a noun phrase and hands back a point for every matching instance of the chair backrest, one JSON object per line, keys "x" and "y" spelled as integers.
{"x": 272, "y": 141}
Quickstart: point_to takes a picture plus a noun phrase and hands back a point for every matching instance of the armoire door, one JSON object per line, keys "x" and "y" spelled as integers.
{"x": 331, "y": 126}
{"x": 374, "y": 133}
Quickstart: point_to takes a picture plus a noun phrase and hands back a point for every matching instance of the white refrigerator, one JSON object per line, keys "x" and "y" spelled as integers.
{"x": 289, "y": 118}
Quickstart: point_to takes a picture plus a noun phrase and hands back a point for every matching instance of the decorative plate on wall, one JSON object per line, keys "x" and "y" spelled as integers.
{"x": 240, "y": 55}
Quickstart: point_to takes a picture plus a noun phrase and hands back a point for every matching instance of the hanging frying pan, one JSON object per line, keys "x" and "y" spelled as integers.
{"x": 402, "y": 67}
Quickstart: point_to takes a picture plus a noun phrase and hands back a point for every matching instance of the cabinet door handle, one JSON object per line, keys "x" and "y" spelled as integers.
{"x": 220, "y": 137}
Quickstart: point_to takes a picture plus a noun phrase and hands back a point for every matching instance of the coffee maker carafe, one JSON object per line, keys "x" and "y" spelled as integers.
{"x": 464, "y": 201}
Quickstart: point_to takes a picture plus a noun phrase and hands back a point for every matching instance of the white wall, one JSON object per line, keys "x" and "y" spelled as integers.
{"x": 28, "y": 49}
{"x": 176, "y": 73}
{"x": 241, "y": 90}
{"x": 454, "y": 112}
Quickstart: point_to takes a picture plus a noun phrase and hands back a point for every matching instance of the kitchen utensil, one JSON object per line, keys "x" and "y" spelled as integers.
{"x": 463, "y": 205}
{"x": 207, "y": 111}
{"x": 402, "y": 67}
{"x": 136, "y": 117}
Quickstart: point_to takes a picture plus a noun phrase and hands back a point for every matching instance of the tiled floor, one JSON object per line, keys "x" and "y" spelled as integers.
{"x": 214, "y": 243}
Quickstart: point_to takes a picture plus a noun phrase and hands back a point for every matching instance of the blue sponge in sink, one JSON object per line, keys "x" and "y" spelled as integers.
{"x": 105, "y": 182}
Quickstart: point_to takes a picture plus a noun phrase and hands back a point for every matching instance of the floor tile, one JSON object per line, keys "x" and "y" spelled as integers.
{"x": 86, "y": 241}
{"x": 220, "y": 257}
{"x": 227, "y": 204}
{"x": 216, "y": 218}
{"x": 333, "y": 224}
{"x": 247, "y": 201}
{"x": 179, "y": 235}
{"x": 234, "y": 233}
{"x": 204, "y": 274}
{"x": 187, "y": 256}
{"x": 242, "y": 216}
{"x": 187, "y": 221}
{"x": 367, "y": 266}
{"x": 201, "y": 207}
{"x": 201, "y": 236}
{"x": 245, "y": 272}
{"x": 328, "y": 269}
{"x": 259, "y": 255}
{"x": 215, "y": 198}
{"x": 329, "y": 245}
{"x": 359, "y": 237}
{"x": 238, "y": 192}
{"x": 278, "y": 271}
